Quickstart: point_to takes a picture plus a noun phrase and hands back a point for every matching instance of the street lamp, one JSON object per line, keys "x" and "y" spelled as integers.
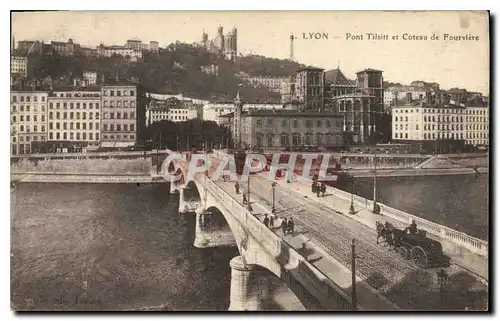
{"x": 353, "y": 274}
{"x": 376, "y": 207}
{"x": 351, "y": 208}
{"x": 442, "y": 279}
{"x": 273, "y": 185}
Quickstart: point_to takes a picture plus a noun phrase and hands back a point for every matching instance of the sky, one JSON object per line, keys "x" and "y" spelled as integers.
{"x": 451, "y": 63}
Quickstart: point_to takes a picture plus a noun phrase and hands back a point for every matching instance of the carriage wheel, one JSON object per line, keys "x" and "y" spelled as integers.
{"x": 404, "y": 252}
{"x": 419, "y": 257}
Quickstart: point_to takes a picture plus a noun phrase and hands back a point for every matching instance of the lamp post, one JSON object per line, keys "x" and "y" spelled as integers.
{"x": 376, "y": 208}
{"x": 351, "y": 208}
{"x": 353, "y": 274}
{"x": 442, "y": 279}
{"x": 273, "y": 185}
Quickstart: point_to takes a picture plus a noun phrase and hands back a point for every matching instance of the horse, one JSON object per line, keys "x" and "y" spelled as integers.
{"x": 382, "y": 231}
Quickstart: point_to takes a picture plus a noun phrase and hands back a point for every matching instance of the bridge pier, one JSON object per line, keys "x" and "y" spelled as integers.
{"x": 207, "y": 235}
{"x": 249, "y": 286}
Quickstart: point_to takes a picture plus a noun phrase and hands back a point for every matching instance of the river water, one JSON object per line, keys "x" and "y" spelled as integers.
{"x": 457, "y": 201}
{"x": 123, "y": 246}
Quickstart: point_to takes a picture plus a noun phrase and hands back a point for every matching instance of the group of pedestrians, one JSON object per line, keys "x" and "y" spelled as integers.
{"x": 319, "y": 189}
{"x": 288, "y": 226}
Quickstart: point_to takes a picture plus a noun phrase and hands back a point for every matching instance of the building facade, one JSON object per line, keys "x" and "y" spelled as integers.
{"x": 154, "y": 46}
{"x": 28, "y": 112}
{"x": 119, "y": 111}
{"x": 477, "y": 124}
{"x": 19, "y": 66}
{"x": 274, "y": 84}
{"x": 171, "y": 109}
{"x": 268, "y": 129}
{"x": 91, "y": 77}
{"x": 67, "y": 49}
{"x": 74, "y": 116}
{"x": 310, "y": 87}
{"x": 212, "y": 111}
{"x": 108, "y": 51}
{"x": 430, "y": 127}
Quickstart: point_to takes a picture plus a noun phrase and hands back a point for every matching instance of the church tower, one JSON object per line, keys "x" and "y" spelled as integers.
{"x": 238, "y": 108}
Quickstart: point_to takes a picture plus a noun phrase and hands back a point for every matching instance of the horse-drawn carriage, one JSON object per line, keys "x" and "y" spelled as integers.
{"x": 413, "y": 244}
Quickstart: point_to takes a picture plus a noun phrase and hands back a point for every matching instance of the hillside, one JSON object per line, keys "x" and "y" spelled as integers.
{"x": 177, "y": 69}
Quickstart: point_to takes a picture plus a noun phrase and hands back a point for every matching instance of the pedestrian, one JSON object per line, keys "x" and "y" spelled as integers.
{"x": 284, "y": 226}
{"x": 291, "y": 225}
{"x": 266, "y": 221}
{"x": 323, "y": 189}
{"x": 245, "y": 198}
{"x": 271, "y": 222}
{"x": 318, "y": 190}
{"x": 237, "y": 187}
{"x": 313, "y": 187}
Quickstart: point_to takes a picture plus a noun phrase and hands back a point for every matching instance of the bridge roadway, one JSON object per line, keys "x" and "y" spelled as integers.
{"x": 386, "y": 271}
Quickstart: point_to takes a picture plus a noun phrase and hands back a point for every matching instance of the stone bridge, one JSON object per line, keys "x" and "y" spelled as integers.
{"x": 266, "y": 258}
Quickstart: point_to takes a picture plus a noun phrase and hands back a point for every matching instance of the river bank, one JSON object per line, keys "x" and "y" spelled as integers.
{"x": 33, "y": 177}
{"x": 402, "y": 172}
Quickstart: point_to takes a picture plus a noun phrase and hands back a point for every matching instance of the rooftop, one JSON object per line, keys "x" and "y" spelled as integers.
{"x": 419, "y": 103}
{"x": 310, "y": 68}
{"x": 74, "y": 88}
{"x": 288, "y": 113}
{"x": 369, "y": 70}
{"x": 336, "y": 77}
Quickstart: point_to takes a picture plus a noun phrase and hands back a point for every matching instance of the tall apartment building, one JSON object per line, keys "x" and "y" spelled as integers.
{"x": 119, "y": 114}
{"x": 91, "y": 77}
{"x": 28, "y": 118}
{"x": 154, "y": 46}
{"x": 74, "y": 116}
{"x": 19, "y": 66}
{"x": 430, "y": 127}
{"x": 477, "y": 123}
{"x": 108, "y": 51}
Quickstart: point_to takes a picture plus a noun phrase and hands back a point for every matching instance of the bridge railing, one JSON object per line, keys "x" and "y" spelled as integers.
{"x": 471, "y": 243}
{"x": 311, "y": 277}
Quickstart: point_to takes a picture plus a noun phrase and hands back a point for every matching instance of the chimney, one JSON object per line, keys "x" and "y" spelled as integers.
{"x": 408, "y": 98}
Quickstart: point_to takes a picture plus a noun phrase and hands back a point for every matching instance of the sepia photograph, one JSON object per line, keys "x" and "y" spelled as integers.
{"x": 249, "y": 161}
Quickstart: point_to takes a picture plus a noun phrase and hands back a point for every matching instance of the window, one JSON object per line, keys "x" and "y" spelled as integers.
{"x": 118, "y": 115}
{"x": 28, "y": 98}
{"x": 131, "y": 127}
{"x": 111, "y": 127}
{"x": 91, "y": 136}
{"x": 28, "y": 108}
{"x": 406, "y": 135}
{"x": 57, "y": 126}
{"x": 112, "y": 115}
{"x": 14, "y": 99}
{"x": 84, "y": 105}
{"x": 58, "y": 136}
{"x": 65, "y": 136}
{"x": 28, "y": 118}
{"x": 65, "y": 105}
{"x": 21, "y": 108}
{"x": 258, "y": 123}
{"x": 132, "y": 93}
{"x": 43, "y": 128}
{"x": 84, "y": 136}
{"x": 35, "y": 128}
{"x": 65, "y": 115}
{"x": 132, "y": 115}
{"x": 269, "y": 122}
{"x": 416, "y": 127}
{"x": 51, "y": 136}
{"x": 105, "y": 127}
{"x": 84, "y": 115}
{"x": 22, "y": 98}
{"x": 90, "y": 105}
{"x": 14, "y": 119}
{"x": 118, "y": 92}
{"x": 111, "y": 92}
{"x": 90, "y": 115}
{"x": 43, "y": 98}
{"x": 77, "y": 126}
{"x": 90, "y": 126}
{"x": 84, "y": 126}
{"x": 22, "y": 117}
{"x": 118, "y": 127}
{"x": 319, "y": 123}
{"x": 71, "y": 136}
{"x": 35, "y": 118}
{"x": 77, "y": 136}
{"x": 51, "y": 125}
{"x": 96, "y": 115}
{"x": 96, "y": 136}
{"x": 125, "y": 127}
{"x": 125, "y": 115}
{"x": 65, "y": 126}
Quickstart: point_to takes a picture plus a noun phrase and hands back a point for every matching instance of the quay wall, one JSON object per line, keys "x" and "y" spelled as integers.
{"x": 34, "y": 177}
